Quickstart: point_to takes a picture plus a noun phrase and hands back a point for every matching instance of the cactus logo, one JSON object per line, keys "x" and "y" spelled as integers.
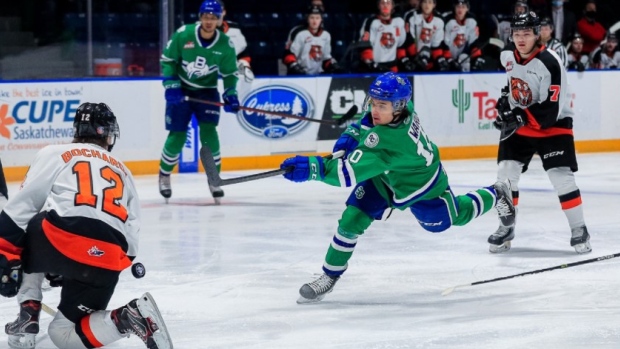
{"x": 461, "y": 100}
{"x": 287, "y": 99}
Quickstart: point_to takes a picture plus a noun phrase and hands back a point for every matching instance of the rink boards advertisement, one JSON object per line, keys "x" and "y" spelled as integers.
{"x": 456, "y": 110}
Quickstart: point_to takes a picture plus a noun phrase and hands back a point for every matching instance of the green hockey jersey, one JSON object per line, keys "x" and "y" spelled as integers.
{"x": 400, "y": 156}
{"x": 196, "y": 67}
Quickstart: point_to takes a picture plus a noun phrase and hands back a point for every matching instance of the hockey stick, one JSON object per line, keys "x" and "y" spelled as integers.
{"x": 49, "y": 310}
{"x": 447, "y": 291}
{"x": 213, "y": 176}
{"x": 346, "y": 117}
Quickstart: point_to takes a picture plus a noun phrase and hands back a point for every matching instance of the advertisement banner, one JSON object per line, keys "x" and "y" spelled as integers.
{"x": 459, "y": 109}
{"x": 188, "y": 161}
{"x": 343, "y": 94}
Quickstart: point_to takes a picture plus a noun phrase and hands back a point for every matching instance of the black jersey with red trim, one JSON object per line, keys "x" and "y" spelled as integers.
{"x": 539, "y": 86}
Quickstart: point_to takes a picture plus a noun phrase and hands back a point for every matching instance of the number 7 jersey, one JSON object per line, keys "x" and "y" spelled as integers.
{"x": 90, "y": 199}
{"x": 539, "y": 86}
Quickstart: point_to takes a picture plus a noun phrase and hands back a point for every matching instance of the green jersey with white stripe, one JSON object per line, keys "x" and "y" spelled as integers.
{"x": 401, "y": 156}
{"x": 197, "y": 67}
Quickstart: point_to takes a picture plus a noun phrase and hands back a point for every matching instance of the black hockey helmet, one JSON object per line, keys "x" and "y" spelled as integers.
{"x": 546, "y": 22}
{"x": 525, "y": 21}
{"x": 314, "y": 10}
{"x": 520, "y": 4}
{"x": 96, "y": 120}
{"x": 459, "y": 2}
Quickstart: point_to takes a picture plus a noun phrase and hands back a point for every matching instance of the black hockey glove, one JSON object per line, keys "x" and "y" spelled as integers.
{"x": 10, "y": 276}
{"x": 479, "y": 64}
{"x": 422, "y": 58}
{"x": 455, "y": 65}
{"x": 580, "y": 67}
{"x": 407, "y": 65}
{"x": 442, "y": 64}
{"x": 296, "y": 69}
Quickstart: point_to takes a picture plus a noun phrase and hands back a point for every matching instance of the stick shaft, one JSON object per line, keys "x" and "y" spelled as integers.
{"x": 50, "y": 311}
{"x": 561, "y": 266}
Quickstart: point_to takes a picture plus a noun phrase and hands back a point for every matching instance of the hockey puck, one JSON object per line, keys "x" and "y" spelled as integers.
{"x": 138, "y": 270}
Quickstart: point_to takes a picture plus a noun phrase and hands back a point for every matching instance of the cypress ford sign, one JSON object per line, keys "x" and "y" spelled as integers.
{"x": 287, "y": 99}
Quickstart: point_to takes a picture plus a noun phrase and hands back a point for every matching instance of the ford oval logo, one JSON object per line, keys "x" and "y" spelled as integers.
{"x": 280, "y": 98}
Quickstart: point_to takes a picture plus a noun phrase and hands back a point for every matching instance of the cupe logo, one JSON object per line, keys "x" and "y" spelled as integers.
{"x": 278, "y": 98}
{"x": 5, "y": 121}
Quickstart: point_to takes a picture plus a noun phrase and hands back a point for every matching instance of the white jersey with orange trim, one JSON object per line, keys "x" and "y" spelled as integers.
{"x": 539, "y": 86}
{"x": 384, "y": 37}
{"x": 460, "y": 35}
{"x": 79, "y": 180}
{"x": 310, "y": 50}
{"x": 236, "y": 36}
{"x": 427, "y": 32}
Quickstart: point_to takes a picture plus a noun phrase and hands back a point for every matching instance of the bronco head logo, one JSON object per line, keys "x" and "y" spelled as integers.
{"x": 425, "y": 35}
{"x": 459, "y": 40}
{"x": 521, "y": 91}
{"x": 316, "y": 53}
{"x": 387, "y": 40}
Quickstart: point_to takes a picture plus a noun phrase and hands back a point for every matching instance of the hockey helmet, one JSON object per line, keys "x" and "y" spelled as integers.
{"x": 525, "y": 21}
{"x": 390, "y": 87}
{"x": 96, "y": 120}
{"x": 213, "y": 7}
{"x": 314, "y": 10}
{"x": 460, "y": 2}
{"x": 521, "y": 6}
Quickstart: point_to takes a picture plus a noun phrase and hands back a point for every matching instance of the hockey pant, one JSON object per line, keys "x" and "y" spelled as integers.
{"x": 366, "y": 204}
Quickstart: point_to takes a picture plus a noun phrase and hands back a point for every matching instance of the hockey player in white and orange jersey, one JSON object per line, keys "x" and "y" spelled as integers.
{"x": 76, "y": 216}
{"x": 426, "y": 26}
{"x": 244, "y": 60}
{"x": 461, "y": 37}
{"x": 535, "y": 117}
{"x": 385, "y": 43}
{"x": 308, "y": 49}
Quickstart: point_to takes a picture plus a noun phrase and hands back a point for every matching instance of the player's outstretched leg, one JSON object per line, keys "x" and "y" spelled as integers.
{"x": 500, "y": 240}
{"x": 165, "y": 189}
{"x": 217, "y": 194}
{"x": 580, "y": 240}
{"x": 316, "y": 290}
{"x": 142, "y": 318}
{"x": 23, "y": 331}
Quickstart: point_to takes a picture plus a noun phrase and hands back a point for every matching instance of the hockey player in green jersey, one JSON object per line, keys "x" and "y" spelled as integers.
{"x": 191, "y": 62}
{"x": 391, "y": 163}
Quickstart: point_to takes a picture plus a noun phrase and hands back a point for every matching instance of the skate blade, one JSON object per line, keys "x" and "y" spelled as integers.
{"x": 583, "y": 248}
{"x": 218, "y": 201}
{"x": 22, "y": 341}
{"x": 500, "y": 248}
{"x": 148, "y": 308}
{"x": 304, "y": 300}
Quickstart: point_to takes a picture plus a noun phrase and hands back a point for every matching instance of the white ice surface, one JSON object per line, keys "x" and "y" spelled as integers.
{"x": 228, "y": 276}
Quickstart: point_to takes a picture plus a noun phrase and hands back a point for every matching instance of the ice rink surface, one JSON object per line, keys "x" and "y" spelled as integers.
{"x": 228, "y": 276}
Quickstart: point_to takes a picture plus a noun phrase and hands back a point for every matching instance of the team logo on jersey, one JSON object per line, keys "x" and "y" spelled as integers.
{"x": 425, "y": 35}
{"x": 288, "y": 99}
{"x": 189, "y": 44}
{"x": 372, "y": 140}
{"x": 95, "y": 252}
{"x": 316, "y": 53}
{"x": 387, "y": 40}
{"x": 521, "y": 91}
{"x": 459, "y": 40}
{"x": 198, "y": 68}
{"x": 509, "y": 66}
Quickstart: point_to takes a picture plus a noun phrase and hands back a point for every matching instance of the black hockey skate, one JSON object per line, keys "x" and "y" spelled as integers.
{"x": 580, "y": 240}
{"x": 23, "y": 331}
{"x": 165, "y": 189}
{"x": 217, "y": 194}
{"x": 142, "y": 318}
{"x": 500, "y": 240}
{"x": 316, "y": 290}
